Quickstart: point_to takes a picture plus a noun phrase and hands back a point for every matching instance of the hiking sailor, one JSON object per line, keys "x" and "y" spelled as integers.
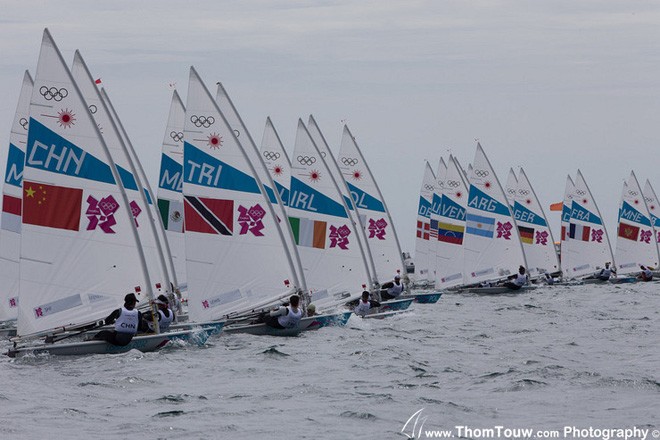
{"x": 127, "y": 321}
{"x": 165, "y": 315}
{"x": 365, "y": 305}
{"x": 645, "y": 274}
{"x": 285, "y": 317}
{"x": 392, "y": 289}
{"x": 517, "y": 281}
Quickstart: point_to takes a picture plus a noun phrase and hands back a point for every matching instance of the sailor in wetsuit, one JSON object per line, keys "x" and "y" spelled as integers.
{"x": 645, "y": 274}
{"x": 285, "y": 317}
{"x": 127, "y": 323}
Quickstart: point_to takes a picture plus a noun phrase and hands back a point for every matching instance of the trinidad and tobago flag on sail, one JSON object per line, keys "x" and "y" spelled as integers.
{"x": 209, "y": 216}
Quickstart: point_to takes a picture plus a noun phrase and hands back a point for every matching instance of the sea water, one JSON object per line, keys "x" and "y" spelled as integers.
{"x": 547, "y": 360}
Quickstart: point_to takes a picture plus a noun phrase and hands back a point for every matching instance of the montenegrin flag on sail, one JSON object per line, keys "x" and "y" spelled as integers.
{"x": 51, "y": 206}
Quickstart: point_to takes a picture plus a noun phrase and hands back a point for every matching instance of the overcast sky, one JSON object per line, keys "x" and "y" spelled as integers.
{"x": 551, "y": 86}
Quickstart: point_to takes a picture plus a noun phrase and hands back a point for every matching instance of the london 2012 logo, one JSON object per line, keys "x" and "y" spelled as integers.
{"x": 412, "y": 429}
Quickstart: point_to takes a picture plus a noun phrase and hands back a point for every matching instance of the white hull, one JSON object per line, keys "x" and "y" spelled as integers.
{"x": 498, "y": 290}
{"x": 142, "y": 343}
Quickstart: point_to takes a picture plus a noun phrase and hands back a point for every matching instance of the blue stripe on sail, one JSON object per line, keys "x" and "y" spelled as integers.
{"x": 424, "y": 208}
{"x": 436, "y": 204}
{"x": 365, "y": 200}
{"x": 205, "y": 170}
{"x": 148, "y": 196}
{"x": 127, "y": 178}
{"x": 284, "y": 193}
{"x": 15, "y": 163}
{"x": 633, "y": 215}
{"x": 47, "y": 150}
{"x": 578, "y": 212}
{"x": 481, "y": 201}
{"x": 349, "y": 202}
{"x": 171, "y": 174}
{"x": 451, "y": 209}
{"x": 528, "y": 216}
{"x": 306, "y": 198}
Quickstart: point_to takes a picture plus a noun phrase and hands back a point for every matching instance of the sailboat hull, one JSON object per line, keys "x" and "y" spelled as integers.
{"x": 142, "y": 343}
{"x": 395, "y": 304}
{"x": 498, "y": 290}
{"x": 262, "y": 329}
{"x": 425, "y": 297}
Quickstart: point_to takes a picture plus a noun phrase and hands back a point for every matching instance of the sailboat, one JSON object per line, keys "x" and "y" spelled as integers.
{"x": 636, "y": 243}
{"x": 434, "y": 217}
{"x": 567, "y": 206}
{"x": 10, "y": 223}
{"x": 451, "y": 227}
{"x": 588, "y": 242}
{"x": 422, "y": 274}
{"x": 535, "y": 234}
{"x": 492, "y": 246}
{"x": 80, "y": 251}
{"x": 170, "y": 186}
{"x": 652, "y": 203}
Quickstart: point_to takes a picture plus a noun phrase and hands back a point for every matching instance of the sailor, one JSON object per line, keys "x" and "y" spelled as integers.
{"x": 165, "y": 315}
{"x": 645, "y": 274}
{"x": 392, "y": 289}
{"x": 285, "y": 317}
{"x": 127, "y": 321}
{"x": 605, "y": 273}
{"x": 311, "y": 310}
{"x": 365, "y": 305}
{"x": 518, "y": 280}
{"x": 548, "y": 279}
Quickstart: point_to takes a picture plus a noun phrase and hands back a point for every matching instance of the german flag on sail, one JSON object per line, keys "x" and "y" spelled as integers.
{"x": 526, "y": 234}
{"x": 308, "y": 232}
{"x": 629, "y": 232}
{"x": 449, "y": 233}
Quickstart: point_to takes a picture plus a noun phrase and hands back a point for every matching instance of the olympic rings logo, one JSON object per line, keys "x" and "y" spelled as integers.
{"x": 349, "y": 161}
{"x": 93, "y": 109}
{"x": 24, "y": 123}
{"x": 481, "y": 173}
{"x": 108, "y": 206}
{"x": 271, "y": 155}
{"x": 176, "y": 136}
{"x": 202, "y": 121}
{"x": 53, "y": 93}
{"x": 580, "y": 192}
{"x": 306, "y": 160}
{"x": 648, "y": 199}
{"x": 453, "y": 183}
{"x": 632, "y": 193}
{"x": 511, "y": 191}
{"x": 429, "y": 187}
{"x": 523, "y": 192}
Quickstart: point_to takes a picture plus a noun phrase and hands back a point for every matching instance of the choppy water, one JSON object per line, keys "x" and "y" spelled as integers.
{"x": 581, "y": 356}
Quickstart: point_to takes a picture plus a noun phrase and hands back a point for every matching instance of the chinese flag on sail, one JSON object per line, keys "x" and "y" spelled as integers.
{"x": 51, "y": 206}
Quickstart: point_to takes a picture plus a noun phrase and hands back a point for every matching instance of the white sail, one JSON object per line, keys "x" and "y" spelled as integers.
{"x": 567, "y": 205}
{"x": 334, "y": 266}
{"x": 276, "y": 160}
{"x": 492, "y": 244}
{"x": 80, "y": 253}
{"x": 10, "y": 224}
{"x": 451, "y": 227}
{"x": 353, "y": 212}
{"x": 423, "y": 232}
{"x": 152, "y": 214}
{"x": 511, "y": 188}
{"x": 436, "y": 201}
{"x": 283, "y": 230}
{"x": 235, "y": 257}
{"x": 652, "y": 203}
{"x": 379, "y": 229}
{"x": 126, "y": 166}
{"x": 535, "y": 233}
{"x": 170, "y": 187}
{"x": 635, "y": 242}
{"x": 589, "y": 245}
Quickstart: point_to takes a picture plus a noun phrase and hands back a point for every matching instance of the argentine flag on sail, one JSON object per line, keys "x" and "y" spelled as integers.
{"x": 480, "y": 225}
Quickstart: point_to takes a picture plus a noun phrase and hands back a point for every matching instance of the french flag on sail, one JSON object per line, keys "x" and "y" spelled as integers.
{"x": 579, "y": 232}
